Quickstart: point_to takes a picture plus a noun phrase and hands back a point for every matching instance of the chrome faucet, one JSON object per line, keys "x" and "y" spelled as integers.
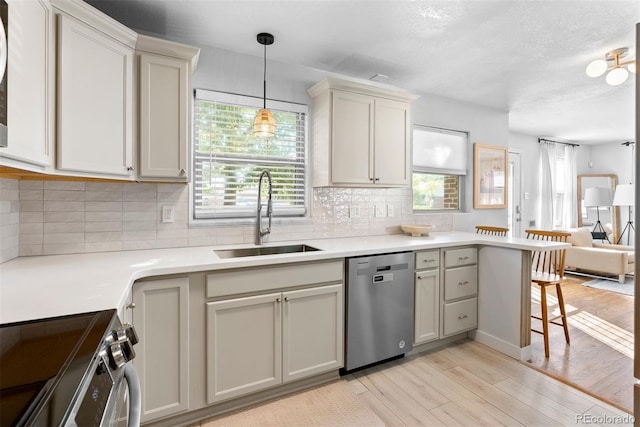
{"x": 259, "y": 231}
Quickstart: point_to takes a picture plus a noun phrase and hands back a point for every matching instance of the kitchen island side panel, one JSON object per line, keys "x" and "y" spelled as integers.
{"x": 504, "y": 300}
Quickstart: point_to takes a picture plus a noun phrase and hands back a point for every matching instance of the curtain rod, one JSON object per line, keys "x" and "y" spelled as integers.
{"x": 557, "y": 142}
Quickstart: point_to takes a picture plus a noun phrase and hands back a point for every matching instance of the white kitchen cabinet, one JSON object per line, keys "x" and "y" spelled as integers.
{"x": 427, "y": 297}
{"x": 95, "y": 113}
{"x": 165, "y": 108}
{"x": 312, "y": 331}
{"x": 161, "y": 319}
{"x": 31, "y": 86}
{"x": 255, "y": 342}
{"x": 459, "y": 290}
{"x": 361, "y": 134}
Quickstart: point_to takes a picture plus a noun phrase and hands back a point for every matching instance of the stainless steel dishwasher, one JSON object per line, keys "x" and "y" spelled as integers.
{"x": 379, "y": 312}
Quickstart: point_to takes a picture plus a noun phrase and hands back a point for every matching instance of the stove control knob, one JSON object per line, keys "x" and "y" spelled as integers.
{"x": 130, "y": 331}
{"x": 127, "y": 350}
{"x": 117, "y": 358}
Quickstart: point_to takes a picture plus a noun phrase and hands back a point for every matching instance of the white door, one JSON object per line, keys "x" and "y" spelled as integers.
{"x": 515, "y": 195}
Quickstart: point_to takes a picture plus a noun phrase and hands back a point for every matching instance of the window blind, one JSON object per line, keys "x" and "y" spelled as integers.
{"x": 438, "y": 150}
{"x": 228, "y": 159}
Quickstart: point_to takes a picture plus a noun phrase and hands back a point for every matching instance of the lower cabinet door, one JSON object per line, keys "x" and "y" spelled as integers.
{"x": 243, "y": 346}
{"x": 427, "y": 304}
{"x": 312, "y": 329}
{"x": 161, "y": 319}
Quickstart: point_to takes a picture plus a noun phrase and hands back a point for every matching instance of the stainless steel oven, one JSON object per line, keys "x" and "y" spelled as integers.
{"x": 69, "y": 371}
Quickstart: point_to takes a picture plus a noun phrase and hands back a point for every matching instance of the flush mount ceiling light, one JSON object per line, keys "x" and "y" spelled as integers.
{"x": 264, "y": 125}
{"x": 618, "y": 71}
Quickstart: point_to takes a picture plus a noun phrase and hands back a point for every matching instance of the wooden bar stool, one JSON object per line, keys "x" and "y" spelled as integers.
{"x": 491, "y": 230}
{"x": 548, "y": 270}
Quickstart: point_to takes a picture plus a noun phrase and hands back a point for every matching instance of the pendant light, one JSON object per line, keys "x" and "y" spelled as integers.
{"x": 264, "y": 124}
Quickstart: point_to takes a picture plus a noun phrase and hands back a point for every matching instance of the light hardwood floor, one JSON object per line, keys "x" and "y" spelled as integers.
{"x": 464, "y": 384}
{"x": 600, "y": 356}
{"x": 468, "y": 384}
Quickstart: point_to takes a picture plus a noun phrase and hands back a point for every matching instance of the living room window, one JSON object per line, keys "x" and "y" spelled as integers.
{"x": 228, "y": 158}
{"x": 439, "y": 163}
{"x": 558, "y": 182}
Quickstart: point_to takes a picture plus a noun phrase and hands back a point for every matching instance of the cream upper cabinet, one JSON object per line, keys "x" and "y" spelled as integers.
{"x": 361, "y": 135}
{"x": 31, "y": 85}
{"x": 165, "y": 108}
{"x": 95, "y": 111}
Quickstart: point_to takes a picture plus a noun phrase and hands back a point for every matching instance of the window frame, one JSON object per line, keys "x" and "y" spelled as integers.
{"x": 461, "y": 174}
{"x": 247, "y": 216}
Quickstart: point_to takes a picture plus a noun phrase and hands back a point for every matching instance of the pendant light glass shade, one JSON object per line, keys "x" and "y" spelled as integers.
{"x": 264, "y": 124}
{"x": 632, "y": 67}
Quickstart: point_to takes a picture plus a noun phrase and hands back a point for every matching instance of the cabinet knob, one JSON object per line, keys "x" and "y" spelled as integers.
{"x": 376, "y": 179}
{"x": 277, "y": 299}
{"x": 182, "y": 172}
{"x": 464, "y": 316}
{"x": 286, "y": 298}
{"x": 131, "y": 168}
{"x": 132, "y": 305}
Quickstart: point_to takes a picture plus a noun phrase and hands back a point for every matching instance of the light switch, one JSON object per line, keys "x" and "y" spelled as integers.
{"x": 380, "y": 210}
{"x": 167, "y": 213}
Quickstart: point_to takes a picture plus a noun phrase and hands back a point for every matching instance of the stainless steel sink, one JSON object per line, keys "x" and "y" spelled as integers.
{"x": 264, "y": 250}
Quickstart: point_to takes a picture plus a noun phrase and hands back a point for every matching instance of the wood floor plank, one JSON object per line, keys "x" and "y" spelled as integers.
{"x": 482, "y": 411}
{"x": 399, "y": 402}
{"x": 387, "y": 416}
{"x": 421, "y": 391}
{"x": 513, "y": 407}
{"x": 606, "y": 416}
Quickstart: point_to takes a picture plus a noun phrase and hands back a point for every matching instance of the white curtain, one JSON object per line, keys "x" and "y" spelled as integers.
{"x": 569, "y": 217}
{"x": 547, "y": 200}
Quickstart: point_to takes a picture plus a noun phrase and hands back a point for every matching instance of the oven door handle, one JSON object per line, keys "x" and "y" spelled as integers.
{"x": 135, "y": 396}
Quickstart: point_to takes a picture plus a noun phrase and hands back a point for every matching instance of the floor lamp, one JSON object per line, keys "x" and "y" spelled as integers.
{"x": 625, "y": 196}
{"x": 597, "y": 197}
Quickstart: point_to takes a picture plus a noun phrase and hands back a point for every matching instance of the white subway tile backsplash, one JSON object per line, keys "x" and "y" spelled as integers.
{"x": 51, "y": 238}
{"x": 63, "y": 206}
{"x": 63, "y": 216}
{"x": 103, "y": 206}
{"x": 73, "y": 217}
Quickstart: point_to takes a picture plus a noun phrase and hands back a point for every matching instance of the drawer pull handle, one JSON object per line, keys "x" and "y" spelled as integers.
{"x": 428, "y": 260}
{"x": 464, "y": 316}
{"x": 463, "y": 258}
{"x": 466, "y": 282}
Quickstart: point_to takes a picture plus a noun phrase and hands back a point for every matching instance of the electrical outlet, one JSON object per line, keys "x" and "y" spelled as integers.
{"x": 167, "y": 214}
{"x": 354, "y": 211}
{"x": 389, "y": 210}
{"x": 380, "y": 210}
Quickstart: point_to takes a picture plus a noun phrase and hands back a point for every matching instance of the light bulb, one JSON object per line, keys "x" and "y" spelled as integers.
{"x": 596, "y": 68}
{"x": 617, "y": 76}
{"x": 632, "y": 67}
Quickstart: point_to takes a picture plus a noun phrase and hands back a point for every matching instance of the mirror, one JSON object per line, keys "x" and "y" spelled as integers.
{"x": 588, "y": 216}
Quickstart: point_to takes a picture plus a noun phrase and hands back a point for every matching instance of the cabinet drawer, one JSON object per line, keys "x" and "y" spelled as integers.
{"x": 460, "y": 282}
{"x": 458, "y": 257}
{"x": 427, "y": 259}
{"x": 274, "y": 277}
{"x": 460, "y": 316}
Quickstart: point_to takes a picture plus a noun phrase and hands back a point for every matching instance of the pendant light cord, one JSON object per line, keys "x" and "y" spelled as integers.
{"x": 264, "y": 98}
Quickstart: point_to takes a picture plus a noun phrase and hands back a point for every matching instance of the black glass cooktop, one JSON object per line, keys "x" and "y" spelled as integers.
{"x": 42, "y": 362}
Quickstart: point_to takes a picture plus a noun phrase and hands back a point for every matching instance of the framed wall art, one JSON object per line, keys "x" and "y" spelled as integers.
{"x": 489, "y": 176}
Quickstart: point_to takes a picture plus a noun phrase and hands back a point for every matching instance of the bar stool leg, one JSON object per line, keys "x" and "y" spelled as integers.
{"x": 562, "y": 312}
{"x": 545, "y": 321}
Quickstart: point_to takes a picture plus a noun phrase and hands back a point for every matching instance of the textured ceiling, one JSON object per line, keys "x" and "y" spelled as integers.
{"x": 523, "y": 56}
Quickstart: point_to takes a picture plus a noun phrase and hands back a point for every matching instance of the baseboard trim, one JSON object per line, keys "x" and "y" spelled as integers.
{"x": 519, "y": 353}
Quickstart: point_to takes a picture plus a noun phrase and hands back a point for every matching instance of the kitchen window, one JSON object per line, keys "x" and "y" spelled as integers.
{"x": 439, "y": 165}
{"x": 228, "y": 158}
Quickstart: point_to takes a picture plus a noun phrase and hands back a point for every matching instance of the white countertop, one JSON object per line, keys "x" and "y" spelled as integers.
{"x": 57, "y": 285}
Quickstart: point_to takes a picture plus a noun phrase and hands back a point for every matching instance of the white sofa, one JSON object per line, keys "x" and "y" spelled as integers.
{"x": 598, "y": 258}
